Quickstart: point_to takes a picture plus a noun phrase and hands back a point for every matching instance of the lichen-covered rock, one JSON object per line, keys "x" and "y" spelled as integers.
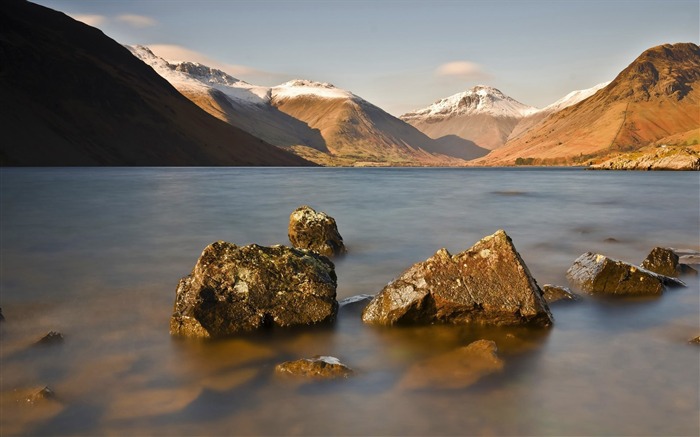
{"x": 596, "y": 273}
{"x": 488, "y": 284}
{"x": 236, "y": 289}
{"x": 665, "y": 261}
{"x": 317, "y": 231}
{"x": 456, "y": 369}
{"x": 555, "y": 293}
{"x": 316, "y": 367}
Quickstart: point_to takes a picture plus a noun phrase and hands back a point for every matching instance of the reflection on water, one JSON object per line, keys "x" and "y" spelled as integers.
{"x": 96, "y": 254}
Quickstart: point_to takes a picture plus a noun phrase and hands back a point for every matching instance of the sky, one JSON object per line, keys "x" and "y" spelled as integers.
{"x": 402, "y": 55}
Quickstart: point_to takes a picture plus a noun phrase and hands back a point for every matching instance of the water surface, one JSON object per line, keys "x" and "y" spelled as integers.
{"x": 96, "y": 254}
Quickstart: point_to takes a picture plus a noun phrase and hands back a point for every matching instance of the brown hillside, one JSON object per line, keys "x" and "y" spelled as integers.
{"x": 72, "y": 96}
{"x": 656, "y": 96}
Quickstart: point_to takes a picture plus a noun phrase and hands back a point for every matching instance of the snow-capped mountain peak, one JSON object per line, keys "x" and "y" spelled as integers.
{"x": 480, "y": 99}
{"x": 303, "y": 87}
{"x": 573, "y": 98}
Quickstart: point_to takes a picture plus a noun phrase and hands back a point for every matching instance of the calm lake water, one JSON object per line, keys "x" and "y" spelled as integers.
{"x": 97, "y": 253}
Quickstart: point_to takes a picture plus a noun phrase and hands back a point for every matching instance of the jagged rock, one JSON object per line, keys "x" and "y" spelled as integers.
{"x": 456, "y": 369}
{"x": 596, "y": 273}
{"x": 554, "y": 293}
{"x": 317, "y": 231}
{"x": 316, "y": 367}
{"x": 239, "y": 289}
{"x": 53, "y": 337}
{"x": 42, "y": 395}
{"x": 488, "y": 284}
{"x": 665, "y": 261}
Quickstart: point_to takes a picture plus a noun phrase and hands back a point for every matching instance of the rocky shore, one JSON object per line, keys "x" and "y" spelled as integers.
{"x": 659, "y": 158}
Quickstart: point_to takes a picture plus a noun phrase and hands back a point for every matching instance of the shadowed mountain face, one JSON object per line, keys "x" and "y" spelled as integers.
{"x": 72, "y": 96}
{"x": 656, "y": 99}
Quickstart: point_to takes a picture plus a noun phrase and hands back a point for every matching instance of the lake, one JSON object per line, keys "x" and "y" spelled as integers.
{"x": 96, "y": 254}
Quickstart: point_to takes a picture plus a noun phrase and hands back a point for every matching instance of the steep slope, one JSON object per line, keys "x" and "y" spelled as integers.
{"x": 357, "y": 130}
{"x": 656, "y": 97}
{"x": 232, "y": 100}
{"x": 570, "y": 99}
{"x": 72, "y": 96}
{"x": 482, "y": 114}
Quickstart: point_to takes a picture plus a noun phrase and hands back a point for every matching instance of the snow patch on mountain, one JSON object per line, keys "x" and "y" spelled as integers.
{"x": 573, "y": 98}
{"x": 177, "y": 79}
{"x": 480, "y": 99}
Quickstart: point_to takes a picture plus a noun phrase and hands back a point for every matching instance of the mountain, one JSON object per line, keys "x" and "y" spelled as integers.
{"x": 655, "y": 100}
{"x": 72, "y": 96}
{"x": 482, "y": 114}
{"x": 316, "y": 120}
{"x": 568, "y": 100}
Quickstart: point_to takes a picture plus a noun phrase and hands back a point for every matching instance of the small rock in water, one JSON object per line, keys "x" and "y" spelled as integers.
{"x": 596, "y": 273}
{"x": 456, "y": 369}
{"x": 2, "y": 318}
{"x": 695, "y": 340}
{"x": 354, "y": 302}
{"x": 325, "y": 367}
{"x": 235, "y": 289}
{"x": 488, "y": 284}
{"x": 40, "y": 396}
{"x": 53, "y": 337}
{"x": 611, "y": 240}
{"x": 317, "y": 231}
{"x": 554, "y": 293}
{"x": 665, "y": 261}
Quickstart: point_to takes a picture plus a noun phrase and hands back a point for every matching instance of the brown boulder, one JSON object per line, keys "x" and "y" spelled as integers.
{"x": 317, "y": 231}
{"x": 488, "y": 284}
{"x": 665, "y": 261}
{"x": 239, "y": 289}
{"x": 456, "y": 369}
{"x": 316, "y": 367}
{"x": 596, "y": 273}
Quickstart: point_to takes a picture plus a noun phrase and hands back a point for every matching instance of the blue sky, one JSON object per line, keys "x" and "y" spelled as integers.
{"x": 403, "y": 55}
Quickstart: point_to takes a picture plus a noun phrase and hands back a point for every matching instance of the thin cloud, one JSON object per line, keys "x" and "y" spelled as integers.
{"x": 464, "y": 70}
{"x": 138, "y": 21}
{"x": 90, "y": 20}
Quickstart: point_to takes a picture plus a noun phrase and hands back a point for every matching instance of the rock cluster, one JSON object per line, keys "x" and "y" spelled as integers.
{"x": 596, "y": 273}
{"x": 236, "y": 289}
{"x": 317, "y": 231}
{"x": 488, "y": 284}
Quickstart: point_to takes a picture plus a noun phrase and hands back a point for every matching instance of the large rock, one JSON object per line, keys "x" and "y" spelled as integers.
{"x": 317, "y": 367}
{"x": 665, "y": 262}
{"x": 596, "y": 273}
{"x": 456, "y": 369}
{"x": 488, "y": 284}
{"x": 239, "y": 289}
{"x": 317, "y": 231}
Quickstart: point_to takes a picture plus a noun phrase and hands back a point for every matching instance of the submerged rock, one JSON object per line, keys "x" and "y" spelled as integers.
{"x": 695, "y": 340}
{"x": 665, "y": 261}
{"x": 42, "y": 395}
{"x": 488, "y": 284}
{"x": 317, "y": 231}
{"x": 316, "y": 367}
{"x": 596, "y": 273}
{"x": 456, "y": 369}
{"x": 239, "y": 289}
{"x": 554, "y": 293}
{"x": 53, "y": 337}
{"x": 355, "y": 302}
